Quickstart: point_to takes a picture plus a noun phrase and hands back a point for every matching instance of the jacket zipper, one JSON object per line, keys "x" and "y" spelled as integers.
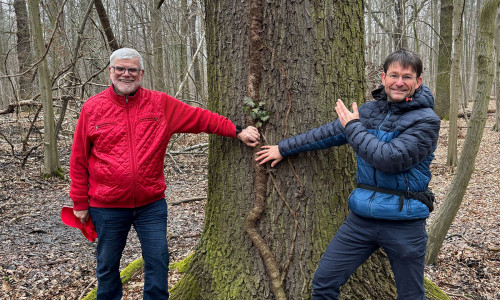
{"x": 132, "y": 151}
{"x": 374, "y": 170}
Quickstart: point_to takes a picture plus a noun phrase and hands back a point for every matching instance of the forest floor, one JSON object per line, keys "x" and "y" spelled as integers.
{"x": 41, "y": 258}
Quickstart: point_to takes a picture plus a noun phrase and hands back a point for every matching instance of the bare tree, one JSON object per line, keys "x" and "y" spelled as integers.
{"x": 23, "y": 47}
{"x": 103, "y": 17}
{"x": 458, "y": 9}
{"x": 157, "y": 42}
{"x": 51, "y": 156}
{"x": 442, "y": 104}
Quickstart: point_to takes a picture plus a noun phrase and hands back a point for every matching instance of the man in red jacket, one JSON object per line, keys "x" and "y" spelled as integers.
{"x": 116, "y": 169}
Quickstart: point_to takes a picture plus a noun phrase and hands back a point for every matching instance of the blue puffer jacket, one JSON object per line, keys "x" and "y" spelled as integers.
{"x": 394, "y": 143}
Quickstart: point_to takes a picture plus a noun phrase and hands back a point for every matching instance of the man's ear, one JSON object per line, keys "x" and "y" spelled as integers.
{"x": 419, "y": 82}
{"x": 383, "y": 78}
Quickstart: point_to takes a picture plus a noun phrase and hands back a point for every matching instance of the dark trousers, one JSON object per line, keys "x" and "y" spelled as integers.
{"x": 112, "y": 226}
{"x": 403, "y": 241}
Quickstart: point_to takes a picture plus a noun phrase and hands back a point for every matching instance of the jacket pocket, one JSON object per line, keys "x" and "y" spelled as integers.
{"x": 102, "y": 126}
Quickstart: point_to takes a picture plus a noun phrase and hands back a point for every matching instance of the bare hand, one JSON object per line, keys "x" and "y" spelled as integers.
{"x": 250, "y": 136}
{"x": 345, "y": 116}
{"x": 82, "y": 215}
{"x": 270, "y": 153}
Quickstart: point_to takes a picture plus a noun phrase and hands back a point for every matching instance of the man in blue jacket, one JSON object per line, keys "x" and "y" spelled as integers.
{"x": 394, "y": 138}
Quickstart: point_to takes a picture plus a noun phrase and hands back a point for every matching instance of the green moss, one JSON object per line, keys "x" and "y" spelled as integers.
{"x": 432, "y": 292}
{"x": 57, "y": 173}
{"x": 92, "y": 295}
{"x": 182, "y": 265}
{"x": 187, "y": 288}
{"x": 131, "y": 270}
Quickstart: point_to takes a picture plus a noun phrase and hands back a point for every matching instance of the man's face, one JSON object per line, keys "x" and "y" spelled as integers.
{"x": 399, "y": 82}
{"x": 125, "y": 81}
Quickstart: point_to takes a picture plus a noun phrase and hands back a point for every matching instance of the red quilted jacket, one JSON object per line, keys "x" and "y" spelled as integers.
{"x": 120, "y": 143}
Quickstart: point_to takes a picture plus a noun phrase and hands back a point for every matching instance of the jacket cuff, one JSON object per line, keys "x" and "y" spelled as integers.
{"x": 80, "y": 204}
{"x": 350, "y": 122}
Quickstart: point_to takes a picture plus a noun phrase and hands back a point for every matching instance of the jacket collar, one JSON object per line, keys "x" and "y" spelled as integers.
{"x": 422, "y": 98}
{"x": 124, "y": 100}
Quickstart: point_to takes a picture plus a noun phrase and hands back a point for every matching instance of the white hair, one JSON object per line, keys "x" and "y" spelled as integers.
{"x": 126, "y": 53}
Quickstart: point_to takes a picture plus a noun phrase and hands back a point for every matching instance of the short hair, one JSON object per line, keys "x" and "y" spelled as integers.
{"x": 406, "y": 58}
{"x": 126, "y": 53}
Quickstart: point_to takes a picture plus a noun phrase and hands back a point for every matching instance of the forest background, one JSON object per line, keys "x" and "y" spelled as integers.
{"x": 51, "y": 61}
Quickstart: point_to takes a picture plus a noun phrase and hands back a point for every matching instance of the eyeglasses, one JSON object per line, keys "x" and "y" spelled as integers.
{"x": 122, "y": 70}
{"x": 405, "y": 78}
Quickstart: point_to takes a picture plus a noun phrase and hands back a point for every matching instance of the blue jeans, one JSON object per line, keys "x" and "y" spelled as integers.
{"x": 403, "y": 241}
{"x": 112, "y": 226}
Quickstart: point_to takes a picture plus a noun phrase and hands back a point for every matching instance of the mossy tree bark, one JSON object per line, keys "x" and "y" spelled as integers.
{"x": 311, "y": 55}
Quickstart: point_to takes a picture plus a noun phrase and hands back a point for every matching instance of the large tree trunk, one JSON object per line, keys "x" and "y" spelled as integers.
{"x": 449, "y": 208}
{"x": 442, "y": 105}
{"x": 51, "y": 157}
{"x": 458, "y": 8}
{"x": 311, "y": 54}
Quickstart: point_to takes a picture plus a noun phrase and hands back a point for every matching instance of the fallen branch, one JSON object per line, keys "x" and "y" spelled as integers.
{"x": 187, "y": 200}
{"x": 11, "y": 107}
{"x": 189, "y": 150}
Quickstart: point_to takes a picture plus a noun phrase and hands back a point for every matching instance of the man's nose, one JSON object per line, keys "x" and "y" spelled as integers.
{"x": 400, "y": 81}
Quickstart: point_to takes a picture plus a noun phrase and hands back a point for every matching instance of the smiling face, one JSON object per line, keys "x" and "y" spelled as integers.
{"x": 126, "y": 83}
{"x": 399, "y": 82}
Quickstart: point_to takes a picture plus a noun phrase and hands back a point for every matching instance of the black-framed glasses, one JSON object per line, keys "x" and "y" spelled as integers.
{"x": 121, "y": 70}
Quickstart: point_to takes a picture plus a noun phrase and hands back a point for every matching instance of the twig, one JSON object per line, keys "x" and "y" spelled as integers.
{"x": 88, "y": 287}
{"x": 7, "y": 140}
{"x": 175, "y": 163}
{"x": 189, "y": 69}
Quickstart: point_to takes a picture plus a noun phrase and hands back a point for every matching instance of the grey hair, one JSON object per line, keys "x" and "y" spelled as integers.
{"x": 126, "y": 53}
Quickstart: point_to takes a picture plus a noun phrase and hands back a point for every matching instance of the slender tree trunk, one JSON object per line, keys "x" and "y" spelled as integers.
{"x": 458, "y": 8}
{"x": 23, "y": 48}
{"x": 435, "y": 44}
{"x": 158, "y": 80}
{"x": 4, "y": 98}
{"x": 308, "y": 59}
{"x": 193, "y": 41}
{"x": 449, "y": 208}
{"x": 496, "y": 126}
{"x": 103, "y": 17}
{"x": 442, "y": 105}
{"x": 184, "y": 49}
{"x": 51, "y": 157}
{"x": 400, "y": 39}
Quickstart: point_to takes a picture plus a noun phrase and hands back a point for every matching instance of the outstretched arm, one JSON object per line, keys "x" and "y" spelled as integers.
{"x": 250, "y": 136}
